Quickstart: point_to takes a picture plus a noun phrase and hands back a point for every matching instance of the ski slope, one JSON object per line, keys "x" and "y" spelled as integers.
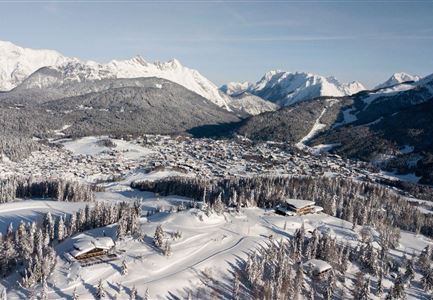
{"x": 207, "y": 247}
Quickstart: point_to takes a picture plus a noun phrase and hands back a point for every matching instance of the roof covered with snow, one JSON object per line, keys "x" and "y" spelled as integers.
{"x": 88, "y": 243}
{"x": 317, "y": 266}
{"x": 299, "y": 203}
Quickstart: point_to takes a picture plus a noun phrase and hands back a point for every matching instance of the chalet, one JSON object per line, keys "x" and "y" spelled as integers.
{"x": 88, "y": 247}
{"x": 318, "y": 268}
{"x": 297, "y": 207}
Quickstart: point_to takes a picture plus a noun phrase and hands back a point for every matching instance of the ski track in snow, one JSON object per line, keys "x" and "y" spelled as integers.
{"x": 313, "y": 132}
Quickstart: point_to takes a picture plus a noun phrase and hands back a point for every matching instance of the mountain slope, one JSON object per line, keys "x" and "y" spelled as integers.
{"x": 248, "y": 104}
{"x": 284, "y": 88}
{"x": 23, "y": 66}
{"x": 390, "y": 127}
{"x": 16, "y": 63}
{"x": 78, "y": 72}
{"x": 118, "y": 111}
{"x": 291, "y": 124}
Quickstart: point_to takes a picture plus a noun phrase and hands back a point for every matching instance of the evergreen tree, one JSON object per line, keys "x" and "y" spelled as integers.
{"x": 72, "y": 224}
{"x": 146, "y": 295}
{"x": 379, "y": 288}
{"x": 133, "y": 294}
{"x": 427, "y": 280}
{"x": 61, "y": 229}
{"x": 397, "y": 291}
{"x": 44, "y": 291}
{"x": 299, "y": 282}
{"x": 167, "y": 249}
{"x": 158, "y": 238}
{"x": 218, "y": 205}
{"x": 236, "y": 286}
{"x": 124, "y": 270}
{"x": 121, "y": 228}
{"x": 409, "y": 274}
{"x": 100, "y": 290}
{"x": 362, "y": 287}
{"x": 75, "y": 295}
{"x": 48, "y": 225}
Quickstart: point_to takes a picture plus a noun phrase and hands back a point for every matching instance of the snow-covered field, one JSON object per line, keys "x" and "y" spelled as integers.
{"x": 89, "y": 146}
{"x": 207, "y": 247}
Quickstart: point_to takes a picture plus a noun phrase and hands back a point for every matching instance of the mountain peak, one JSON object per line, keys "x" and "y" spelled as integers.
{"x": 236, "y": 88}
{"x": 286, "y": 88}
{"x": 139, "y": 60}
{"x": 398, "y": 78}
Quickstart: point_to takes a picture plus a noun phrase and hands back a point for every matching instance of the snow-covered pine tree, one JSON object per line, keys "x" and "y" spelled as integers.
{"x": 75, "y": 295}
{"x": 158, "y": 238}
{"x": 379, "y": 287}
{"x": 361, "y": 287}
{"x": 427, "y": 280}
{"x": 72, "y": 224}
{"x": 218, "y": 205}
{"x": 100, "y": 290}
{"x": 167, "y": 248}
{"x": 124, "y": 269}
{"x": 236, "y": 287}
{"x": 39, "y": 243}
{"x": 61, "y": 229}
{"x": 424, "y": 259}
{"x": 32, "y": 295}
{"x": 46, "y": 239}
{"x": 121, "y": 228}
{"x": 81, "y": 220}
{"x": 409, "y": 274}
{"x": 23, "y": 241}
{"x": 133, "y": 294}
{"x": 44, "y": 290}
{"x": 146, "y": 294}
{"x": 9, "y": 250}
{"x": 298, "y": 284}
{"x": 48, "y": 225}
{"x": 397, "y": 291}
{"x": 31, "y": 234}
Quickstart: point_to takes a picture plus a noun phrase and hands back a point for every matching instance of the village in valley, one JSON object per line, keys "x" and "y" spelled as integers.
{"x": 89, "y": 159}
{"x": 194, "y": 218}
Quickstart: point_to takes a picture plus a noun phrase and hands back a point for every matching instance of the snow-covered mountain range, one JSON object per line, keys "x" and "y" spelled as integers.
{"x": 285, "y": 88}
{"x": 19, "y": 65}
{"x": 398, "y": 78}
{"x": 16, "y": 63}
{"x": 25, "y": 69}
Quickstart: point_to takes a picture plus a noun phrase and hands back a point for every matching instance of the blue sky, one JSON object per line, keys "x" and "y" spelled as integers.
{"x": 236, "y": 40}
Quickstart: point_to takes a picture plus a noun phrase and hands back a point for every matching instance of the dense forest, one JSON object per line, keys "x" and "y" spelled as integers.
{"x": 57, "y": 189}
{"x": 354, "y": 201}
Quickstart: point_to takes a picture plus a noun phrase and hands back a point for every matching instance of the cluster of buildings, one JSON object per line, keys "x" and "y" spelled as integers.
{"x": 200, "y": 157}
